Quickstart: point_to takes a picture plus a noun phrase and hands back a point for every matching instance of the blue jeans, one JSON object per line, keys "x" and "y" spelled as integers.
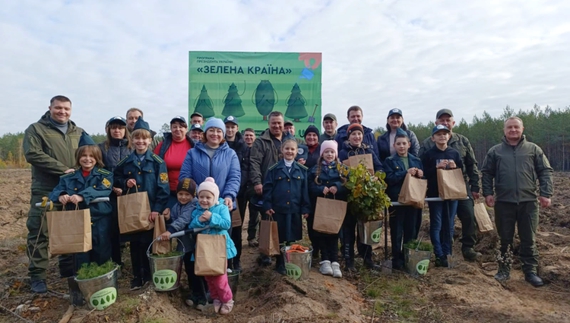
{"x": 441, "y": 222}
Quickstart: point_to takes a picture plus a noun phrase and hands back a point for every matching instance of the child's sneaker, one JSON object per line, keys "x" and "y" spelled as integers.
{"x": 227, "y": 307}
{"x": 136, "y": 283}
{"x": 336, "y": 272}
{"x": 217, "y": 305}
{"x": 326, "y": 268}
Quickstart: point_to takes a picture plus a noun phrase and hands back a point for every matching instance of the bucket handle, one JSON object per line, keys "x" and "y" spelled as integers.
{"x": 153, "y": 241}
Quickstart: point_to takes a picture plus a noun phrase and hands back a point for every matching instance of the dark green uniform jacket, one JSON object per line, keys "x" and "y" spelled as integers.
{"x": 514, "y": 170}
{"x": 49, "y": 151}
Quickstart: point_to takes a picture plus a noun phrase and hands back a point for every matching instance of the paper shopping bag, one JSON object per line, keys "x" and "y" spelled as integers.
{"x": 69, "y": 231}
{"x": 482, "y": 217}
{"x": 134, "y": 210}
{"x": 269, "y": 238}
{"x": 366, "y": 159}
{"x": 329, "y": 215}
{"x": 236, "y": 217}
{"x": 413, "y": 192}
{"x": 160, "y": 247}
{"x": 451, "y": 184}
{"x": 210, "y": 255}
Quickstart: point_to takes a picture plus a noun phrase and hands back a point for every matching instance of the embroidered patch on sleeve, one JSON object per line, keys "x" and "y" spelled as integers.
{"x": 163, "y": 178}
{"x": 106, "y": 183}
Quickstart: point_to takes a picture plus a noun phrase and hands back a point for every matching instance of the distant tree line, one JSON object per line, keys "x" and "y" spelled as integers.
{"x": 549, "y": 128}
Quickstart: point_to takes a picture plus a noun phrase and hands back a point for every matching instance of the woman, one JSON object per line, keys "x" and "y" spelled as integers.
{"x": 385, "y": 142}
{"x": 173, "y": 150}
{"x": 212, "y": 157}
{"x": 116, "y": 147}
{"x": 352, "y": 147}
{"x": 312, "y": 142}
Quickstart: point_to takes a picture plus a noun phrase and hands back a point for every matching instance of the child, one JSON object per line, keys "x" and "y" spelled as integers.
{"x": 326, "y": 181}
{"x": 352, "y": 147}
{"x": 441, "y": 214}
{"x": 286, "y": 197}
{"x": 402, "y": 218}
{"x": 142, "y": 171}
{"x": 179, "y": 219}
{"x": 212, "y": 211}
{"x": 89, "y": 182}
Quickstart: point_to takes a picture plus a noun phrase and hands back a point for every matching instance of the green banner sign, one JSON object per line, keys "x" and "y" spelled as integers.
{"x": 249, "y": 86}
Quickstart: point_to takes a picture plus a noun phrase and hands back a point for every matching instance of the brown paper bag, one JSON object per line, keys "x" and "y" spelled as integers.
{"x": 236, "y": 217}
{"x": 483, "y": 220}
{"x": 160, "y": 247}
{"x": 413, "y": 192}
{"x": 134, "y": 210}
{"x": 210, "y": 255}
{"x": 329, "y": 215}
{"x": 269, "y": 238}
{"x": 451, "y": 184}
{"x": 69, "y": 231}
{"x": 365, "y": 158}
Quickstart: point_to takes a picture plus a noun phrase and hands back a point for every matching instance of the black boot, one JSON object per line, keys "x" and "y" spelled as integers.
{"x": 280, "y": 265}
{"x": 75, "y": 296}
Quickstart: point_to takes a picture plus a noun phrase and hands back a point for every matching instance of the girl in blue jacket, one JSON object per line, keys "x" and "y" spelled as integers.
{"x": 286, "y": 197}
{"x": 212, "y": 211}
{"x": 79, "y": 188}
{"x": 326, "y": 181}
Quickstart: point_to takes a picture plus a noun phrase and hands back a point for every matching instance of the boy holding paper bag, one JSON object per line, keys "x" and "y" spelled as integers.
{"x": 402, "y": 218}
{"x": 143, "y": 171}
{"x": 441, "y": 214}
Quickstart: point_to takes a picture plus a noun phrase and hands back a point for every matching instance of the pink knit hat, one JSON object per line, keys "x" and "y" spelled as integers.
{"x": 209, "y": 184}
{"x": 329, "y": 144}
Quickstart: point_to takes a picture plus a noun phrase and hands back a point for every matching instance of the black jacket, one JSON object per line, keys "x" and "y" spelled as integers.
{"x": 115, "y": 153}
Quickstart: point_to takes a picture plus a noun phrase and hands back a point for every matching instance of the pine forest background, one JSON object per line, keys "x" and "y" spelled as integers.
{"x": 546, "y": 127}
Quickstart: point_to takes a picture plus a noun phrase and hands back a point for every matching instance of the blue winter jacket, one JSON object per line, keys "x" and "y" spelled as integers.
{"x": 224, "y": 167}
{"x": 396, "y": 173}
{"x": 368, "y": 137}
{"x": 329, "y": 176}
{"x": 220, "y": 222}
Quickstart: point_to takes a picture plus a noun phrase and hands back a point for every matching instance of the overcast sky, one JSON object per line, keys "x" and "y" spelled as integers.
{"x": 419, "y": 56}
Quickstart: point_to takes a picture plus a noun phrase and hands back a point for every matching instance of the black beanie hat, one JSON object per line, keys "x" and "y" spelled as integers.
{"x": 188, "y": 185}
{"x": 312, "y": 129}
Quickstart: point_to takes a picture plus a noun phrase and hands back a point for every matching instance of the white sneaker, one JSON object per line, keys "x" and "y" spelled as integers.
{"x": 326, "y": 268}
{"x": 336, "y": 270}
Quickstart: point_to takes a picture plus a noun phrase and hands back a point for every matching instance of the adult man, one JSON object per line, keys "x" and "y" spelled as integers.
{"x": 264, "y": 153}
{"x": 329, "y": 124}
{"x": 235, "y": 140}
{"x": 355, "y": 115}
{"x": 290, "y": 128}
{"x": 196, "y": 132}
{"x": 197, "y": 118}
{"x": 133, "y": 114}
{"x": 465, "y": 210}
{"x": 49, "y": 146}
{"x": 510, "y": 171}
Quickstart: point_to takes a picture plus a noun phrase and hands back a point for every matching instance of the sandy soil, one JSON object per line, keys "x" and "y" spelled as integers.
{"x": 465, "y": 293}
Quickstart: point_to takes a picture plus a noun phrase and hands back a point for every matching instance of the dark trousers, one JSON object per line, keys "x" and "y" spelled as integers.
{"x": 466, "y": 214}
{"x": 525, "y": 216}
{"x": 349, "y": 238}
{"x": 403, "y": 220}
{"x": 236, "y": 231}
{"x": 328, "y": 245}
{"x": 101, "y": 250}
{"x": 197, "y": 284}
{"x": 253, "y": 213}
{"x": 139, "y": 243}
{"x": 114, "y": 233}
{"x": 313, "y": 235}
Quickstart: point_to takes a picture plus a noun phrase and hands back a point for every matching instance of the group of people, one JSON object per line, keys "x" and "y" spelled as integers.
{"x": 202, "y": 171}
